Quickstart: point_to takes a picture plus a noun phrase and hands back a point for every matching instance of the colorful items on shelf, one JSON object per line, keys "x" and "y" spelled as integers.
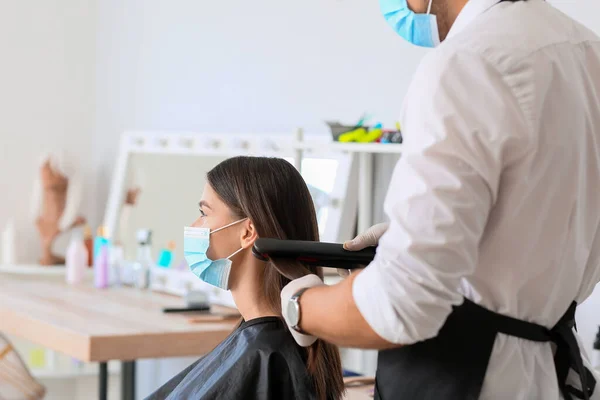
{"x": 394, "y": 136}
{"x": 364, "y": 134}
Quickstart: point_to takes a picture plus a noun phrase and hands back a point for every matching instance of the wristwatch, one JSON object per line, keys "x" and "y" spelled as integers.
{"x": 293, "y": 311}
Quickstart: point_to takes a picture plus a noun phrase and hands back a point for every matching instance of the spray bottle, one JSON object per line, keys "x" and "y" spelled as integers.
{"x": 144, "y": 261}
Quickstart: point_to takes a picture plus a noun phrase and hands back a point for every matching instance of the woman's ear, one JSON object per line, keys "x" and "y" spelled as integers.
{"x": 249, "y": 234}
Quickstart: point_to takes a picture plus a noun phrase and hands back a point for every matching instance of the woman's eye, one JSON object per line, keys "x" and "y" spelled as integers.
{"x": 202, "y": 213}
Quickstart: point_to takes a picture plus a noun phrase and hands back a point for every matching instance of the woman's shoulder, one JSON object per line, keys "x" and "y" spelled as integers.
{"x": 268, "y": 335}
{"x": 261, "y": 354}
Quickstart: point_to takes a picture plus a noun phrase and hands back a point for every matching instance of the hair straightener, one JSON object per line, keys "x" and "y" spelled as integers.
{"x": 313, "y": 253}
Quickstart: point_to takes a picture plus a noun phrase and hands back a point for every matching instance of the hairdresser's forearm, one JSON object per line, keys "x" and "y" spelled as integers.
{"x": 329, "y": 312}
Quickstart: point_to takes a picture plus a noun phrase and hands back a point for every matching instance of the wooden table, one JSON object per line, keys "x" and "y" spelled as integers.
{"x": 98, "y": 325}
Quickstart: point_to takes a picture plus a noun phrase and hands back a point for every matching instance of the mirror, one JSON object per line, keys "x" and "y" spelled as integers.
{"x": 320, "y": 176}
{"x": 163, "y": 190}
{"x": 166, "y": 190}
{"x": 158, "y": 183}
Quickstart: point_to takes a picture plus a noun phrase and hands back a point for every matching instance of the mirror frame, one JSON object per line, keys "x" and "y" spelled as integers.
{"x": 341, "y": 218}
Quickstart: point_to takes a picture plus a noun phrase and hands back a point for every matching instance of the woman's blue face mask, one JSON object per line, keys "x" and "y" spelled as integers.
{"x": 418, "y": 29}
{"x": 195, "y": 245}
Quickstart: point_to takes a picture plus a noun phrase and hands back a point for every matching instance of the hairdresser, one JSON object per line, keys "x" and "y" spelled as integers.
{"x": 494, "y": 232}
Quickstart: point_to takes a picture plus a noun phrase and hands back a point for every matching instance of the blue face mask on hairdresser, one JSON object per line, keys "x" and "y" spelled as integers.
{"x": 418, "y": 29}
{"x": 195, "y": 246}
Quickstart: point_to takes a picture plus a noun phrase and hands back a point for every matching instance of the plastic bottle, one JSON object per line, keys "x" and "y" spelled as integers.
{"x": 101, "y": 260}
{"x": 143, "y": 262}
{"x": 100, "y": 240}
{"x": 76, "y": 259}
{"x": 166, "y": 255}
{"x": 117, "y": 261}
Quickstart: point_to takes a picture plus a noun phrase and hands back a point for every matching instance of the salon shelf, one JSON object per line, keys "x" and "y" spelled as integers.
{"x": 385, "y": 148}
{"x": 236, "y": 144}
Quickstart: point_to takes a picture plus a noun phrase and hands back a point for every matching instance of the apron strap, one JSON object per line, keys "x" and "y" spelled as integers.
{"x": 568, "y": 354}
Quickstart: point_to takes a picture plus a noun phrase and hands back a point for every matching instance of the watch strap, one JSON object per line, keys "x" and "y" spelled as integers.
{"x": 296, "y": 299}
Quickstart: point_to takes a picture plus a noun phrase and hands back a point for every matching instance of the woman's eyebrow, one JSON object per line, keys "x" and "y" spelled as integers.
{"x": 204, "y": 204}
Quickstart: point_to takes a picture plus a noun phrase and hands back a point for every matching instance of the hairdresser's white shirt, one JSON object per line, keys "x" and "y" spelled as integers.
{"x": 497, "y": 194}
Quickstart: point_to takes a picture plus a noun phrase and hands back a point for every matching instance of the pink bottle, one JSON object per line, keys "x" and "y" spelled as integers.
{"x": 76, "y": 259}
{"x": 101, "y": 263}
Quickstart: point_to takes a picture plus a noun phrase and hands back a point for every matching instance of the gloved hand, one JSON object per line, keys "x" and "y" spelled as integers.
{"x": 287, "y": 292}
{"x": 370, "y": 237}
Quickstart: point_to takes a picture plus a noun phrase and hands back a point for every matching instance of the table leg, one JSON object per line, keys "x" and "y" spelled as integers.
{"x": 128, "y": 380}
{"x": 103, "y": 381}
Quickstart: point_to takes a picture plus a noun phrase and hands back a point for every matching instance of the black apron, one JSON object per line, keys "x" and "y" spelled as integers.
{"x": 453, "y": 364}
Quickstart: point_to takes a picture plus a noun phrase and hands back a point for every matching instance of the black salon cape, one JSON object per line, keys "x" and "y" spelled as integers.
{"x": 259, "y": 360}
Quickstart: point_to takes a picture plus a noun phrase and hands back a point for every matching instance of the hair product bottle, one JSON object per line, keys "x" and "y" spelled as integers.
{"x": 143, "y": 262}
{"x": 76, "y": 259}
{"x": 101, "y": 259}
{"x": 166, "y": 255}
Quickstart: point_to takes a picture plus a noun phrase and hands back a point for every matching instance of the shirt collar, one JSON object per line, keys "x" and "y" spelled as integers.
{"x": 470, "y": 11}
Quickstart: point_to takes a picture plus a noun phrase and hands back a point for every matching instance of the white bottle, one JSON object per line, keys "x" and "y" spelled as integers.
{"x": 76, "y": 259}
{"x": 117, "y": 261}
{"x": 8, "y": 244}
{"x": 144, "y": 261}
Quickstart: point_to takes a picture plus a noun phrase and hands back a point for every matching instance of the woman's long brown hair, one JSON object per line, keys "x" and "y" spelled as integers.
{"x": 274, "y": 196}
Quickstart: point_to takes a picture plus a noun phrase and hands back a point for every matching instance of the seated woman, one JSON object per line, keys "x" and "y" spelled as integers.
{"x": 246, "y": 198}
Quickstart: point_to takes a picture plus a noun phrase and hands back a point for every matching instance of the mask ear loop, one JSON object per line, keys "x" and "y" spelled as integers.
{"x": 241, "y": 248}
{"x": 429, "y": 7}
{"x": 228, "y": 225}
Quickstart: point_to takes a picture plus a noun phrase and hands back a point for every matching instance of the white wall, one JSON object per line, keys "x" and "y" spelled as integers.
{"x": 46, "y": 98}
{"x": 234, "y": 66}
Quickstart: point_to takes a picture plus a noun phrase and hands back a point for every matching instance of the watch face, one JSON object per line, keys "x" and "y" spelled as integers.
{"x": 292, "y": 312}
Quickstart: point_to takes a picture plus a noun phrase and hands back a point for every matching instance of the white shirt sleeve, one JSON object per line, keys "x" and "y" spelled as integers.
{"x": 456, "y": 121}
